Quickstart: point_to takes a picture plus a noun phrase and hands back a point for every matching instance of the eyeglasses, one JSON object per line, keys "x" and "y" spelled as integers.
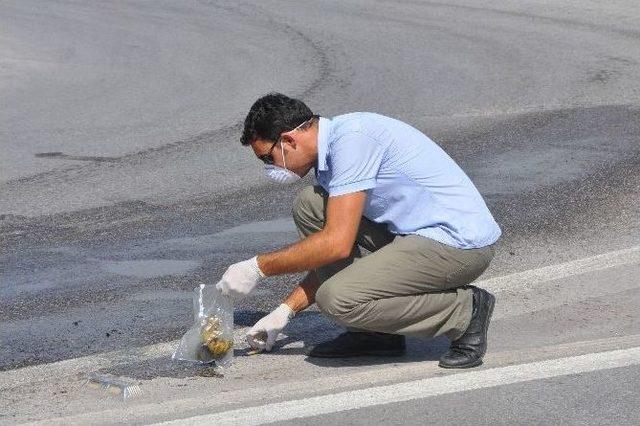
{"x": 268, "y": 157}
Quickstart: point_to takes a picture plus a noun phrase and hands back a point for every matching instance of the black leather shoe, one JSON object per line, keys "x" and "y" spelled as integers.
{"x": 351, "y": 344}
{"x": 468, "y": 350}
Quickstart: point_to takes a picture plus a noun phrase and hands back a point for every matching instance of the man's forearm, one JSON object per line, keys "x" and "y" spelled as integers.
{"x": 304, "y": 295}
{"x": 319, "y": 249}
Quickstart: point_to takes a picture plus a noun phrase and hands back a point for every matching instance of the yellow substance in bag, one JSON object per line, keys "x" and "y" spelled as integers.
{"x": 212, "y": 339}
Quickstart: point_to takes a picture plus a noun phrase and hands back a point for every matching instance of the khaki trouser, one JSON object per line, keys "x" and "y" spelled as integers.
{"x": 408, "y": 285}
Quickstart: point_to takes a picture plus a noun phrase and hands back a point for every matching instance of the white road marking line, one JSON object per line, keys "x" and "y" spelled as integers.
{"x": 517, "y": 282}
{"x": 417, "y": 389}
{"x": 530, "y": 279}
{"x": 360, "y": 378}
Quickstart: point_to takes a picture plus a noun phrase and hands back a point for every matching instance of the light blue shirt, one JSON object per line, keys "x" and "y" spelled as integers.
{"x": 412, "y": 185}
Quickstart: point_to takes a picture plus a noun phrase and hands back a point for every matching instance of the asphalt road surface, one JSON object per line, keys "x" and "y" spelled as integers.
{"x": 124, "y": 186}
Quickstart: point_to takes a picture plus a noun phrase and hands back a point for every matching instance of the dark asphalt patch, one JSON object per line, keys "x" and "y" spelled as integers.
{"x": 63, "y": 156}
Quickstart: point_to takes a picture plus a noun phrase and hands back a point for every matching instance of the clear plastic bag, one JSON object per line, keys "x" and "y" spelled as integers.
{"x": 113, "y": 385}
{"x": 210, "y": 340}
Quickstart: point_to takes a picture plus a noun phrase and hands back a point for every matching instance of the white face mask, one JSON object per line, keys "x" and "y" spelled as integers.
{"x": 280, "y": 174}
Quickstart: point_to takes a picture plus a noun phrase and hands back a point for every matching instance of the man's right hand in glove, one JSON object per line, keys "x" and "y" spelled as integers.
{"x": 264, "y": 334}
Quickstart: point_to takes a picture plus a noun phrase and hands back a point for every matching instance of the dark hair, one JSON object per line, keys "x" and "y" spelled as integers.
{"x": 271, "y": 115}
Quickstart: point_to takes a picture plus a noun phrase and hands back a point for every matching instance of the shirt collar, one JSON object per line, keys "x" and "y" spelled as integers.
{"x": 324, "y": 132}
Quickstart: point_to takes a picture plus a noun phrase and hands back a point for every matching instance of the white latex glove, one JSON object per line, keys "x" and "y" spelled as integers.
{"x": 240, "y": 278}
{"x": 264, "y": 334}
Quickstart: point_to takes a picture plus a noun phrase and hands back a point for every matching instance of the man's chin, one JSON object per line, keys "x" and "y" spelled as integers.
{"x": 301, "y": 173}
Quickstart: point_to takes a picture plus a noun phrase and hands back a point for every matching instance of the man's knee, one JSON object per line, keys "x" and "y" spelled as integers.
{"x": 308, "y": 206}
{"x": 333, "y": 302}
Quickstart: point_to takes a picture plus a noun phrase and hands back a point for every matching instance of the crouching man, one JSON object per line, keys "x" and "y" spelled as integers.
{"x": 384, "y": 187}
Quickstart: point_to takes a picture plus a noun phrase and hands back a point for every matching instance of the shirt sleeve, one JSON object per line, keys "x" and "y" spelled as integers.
{"x": 354, "y": 161}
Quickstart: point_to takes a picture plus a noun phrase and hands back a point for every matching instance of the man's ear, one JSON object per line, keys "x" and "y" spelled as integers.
{"x": 289, "y": 140}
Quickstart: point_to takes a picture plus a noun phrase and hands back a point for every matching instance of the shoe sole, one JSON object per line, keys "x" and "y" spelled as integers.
{"x": 492, "y": 303}
{"x": 470, "y": 365}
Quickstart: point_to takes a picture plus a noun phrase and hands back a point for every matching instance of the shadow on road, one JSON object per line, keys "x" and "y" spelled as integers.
{"x": 308, "y": 329}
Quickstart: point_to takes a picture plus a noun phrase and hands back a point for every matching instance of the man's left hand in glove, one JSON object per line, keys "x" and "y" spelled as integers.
{"x": 263, "y": 335}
